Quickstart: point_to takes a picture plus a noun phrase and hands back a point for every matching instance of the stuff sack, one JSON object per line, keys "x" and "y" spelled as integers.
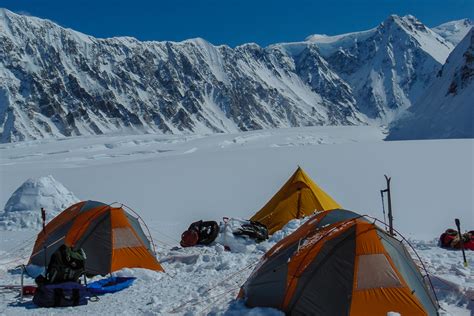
{"x": 200, "y": 233}
{"x": 61, "y": 295}
{"x": 252, "y": 229}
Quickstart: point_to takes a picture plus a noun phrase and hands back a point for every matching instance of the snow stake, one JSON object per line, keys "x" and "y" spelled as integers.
{"x": 389, "y": 202}
{"x": 458, "y": 225}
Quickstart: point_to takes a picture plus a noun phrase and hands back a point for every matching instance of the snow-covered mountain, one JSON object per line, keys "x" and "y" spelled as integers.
{"x": 446, "y": 109}
{"x": 454, "y": 31}
{"x": 57, "y": 82}
{"x": 388, "y": 67}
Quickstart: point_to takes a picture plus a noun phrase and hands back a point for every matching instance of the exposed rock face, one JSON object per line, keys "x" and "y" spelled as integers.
{"x": 446, "y": 110}
{"x": 387, "y": 67}
{"x": 56, "y": 82}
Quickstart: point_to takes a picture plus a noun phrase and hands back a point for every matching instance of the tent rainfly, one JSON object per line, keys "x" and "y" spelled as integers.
{"x": 111, "y": 238}
{"x": 297, "y": 198}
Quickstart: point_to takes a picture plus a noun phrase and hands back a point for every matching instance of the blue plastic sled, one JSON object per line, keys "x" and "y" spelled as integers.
{"x": 110, "y": 285}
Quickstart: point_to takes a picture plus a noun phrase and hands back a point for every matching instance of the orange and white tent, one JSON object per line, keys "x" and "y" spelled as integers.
{"x": 339, "y": 263}
{"x": 111, "y": 238}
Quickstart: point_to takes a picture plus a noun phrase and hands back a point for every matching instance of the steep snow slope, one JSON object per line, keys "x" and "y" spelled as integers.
{"x": 58, "y": 82}
{"x": 388, "y": 67}
{"x": 454, "y": 31}
{"x": 446, "y": 110}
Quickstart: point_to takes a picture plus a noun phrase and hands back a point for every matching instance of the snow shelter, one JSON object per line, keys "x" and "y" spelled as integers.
{"x": 111, "y": 238}
{"x": 299, "y": 197}
{"x": 339, "y": 263}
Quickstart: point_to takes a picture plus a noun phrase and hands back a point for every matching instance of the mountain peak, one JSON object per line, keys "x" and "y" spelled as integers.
{"x": 454, "y": 31}
{"x": 408, "y": 22}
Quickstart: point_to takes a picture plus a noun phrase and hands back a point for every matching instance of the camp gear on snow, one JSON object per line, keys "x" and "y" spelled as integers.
{"x": 206, "y": 233}
{"x": 389, "y": 202}
{"x": 65, "y": 265}
{"x": 339, "y": 263}
{"x": 111, "y": 237}
{"x": 461, "y": 242}
{"x": 252, "y": 229}
{"x": 61, "y": 295}
{"x": 110, "y": 285}
{"x": 450, "y": 239}
{"x": 29, "y": 290}
{"x": 298, "y": 197}
{"x": 189, "y": 238}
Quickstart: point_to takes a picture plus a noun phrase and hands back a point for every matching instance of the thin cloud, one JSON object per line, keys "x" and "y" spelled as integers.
{"x": 22, "y": 12}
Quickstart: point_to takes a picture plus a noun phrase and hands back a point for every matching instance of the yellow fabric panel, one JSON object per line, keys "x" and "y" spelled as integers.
{"x": 298, "y": 197}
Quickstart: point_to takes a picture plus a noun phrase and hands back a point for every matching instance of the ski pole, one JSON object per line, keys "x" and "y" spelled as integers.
{"x": 458, "y": 225}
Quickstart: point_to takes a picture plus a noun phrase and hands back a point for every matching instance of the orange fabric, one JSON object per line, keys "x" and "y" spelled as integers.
{"x": 379, "y": 301}
{"x": 367, "y": 240}
{"x": 64, "y": 217}
{"x": 383, "y": 300}
{"x": 82, "y": 222}
{"x": 137, "y": 257}
{"x": 396, "y": 296}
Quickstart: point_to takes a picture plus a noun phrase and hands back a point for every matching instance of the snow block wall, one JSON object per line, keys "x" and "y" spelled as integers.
{"x": 23, "y": 209}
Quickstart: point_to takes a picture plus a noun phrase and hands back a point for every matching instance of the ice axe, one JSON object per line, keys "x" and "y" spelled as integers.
{"x": 458, "y": 225}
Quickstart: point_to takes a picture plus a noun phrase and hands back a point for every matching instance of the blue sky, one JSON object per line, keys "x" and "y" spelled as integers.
{"x": 234, "y": 22}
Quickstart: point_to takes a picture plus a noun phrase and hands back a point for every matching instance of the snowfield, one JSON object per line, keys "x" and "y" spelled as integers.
{"x": 172, "y": 181}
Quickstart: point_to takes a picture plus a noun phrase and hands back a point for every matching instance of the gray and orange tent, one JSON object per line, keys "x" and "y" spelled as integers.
{"x": 297, "y": 198}
{"x": 339, "y": 263}
{"x": 111, "y": 238}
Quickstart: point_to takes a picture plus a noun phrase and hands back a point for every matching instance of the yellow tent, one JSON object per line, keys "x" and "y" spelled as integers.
{"x": 298, "y": 197}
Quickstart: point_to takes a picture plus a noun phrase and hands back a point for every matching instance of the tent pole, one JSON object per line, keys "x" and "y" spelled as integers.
{"x": 298, "y": 212}
{"x": 43, "y": 217}
{"x": 389, "y": 201}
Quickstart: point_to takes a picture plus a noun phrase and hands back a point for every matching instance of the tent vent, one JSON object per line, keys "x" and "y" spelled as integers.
{"x": 125, "y": 238}
{"x": 374, "y": 271}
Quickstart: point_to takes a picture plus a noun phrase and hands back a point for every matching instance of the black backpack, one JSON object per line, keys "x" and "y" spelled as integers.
{"x": 61, "y": 295}
{"x": 207, "y": 231}
{"x": 254, "y": 230}
{"x": 66, "y": 265}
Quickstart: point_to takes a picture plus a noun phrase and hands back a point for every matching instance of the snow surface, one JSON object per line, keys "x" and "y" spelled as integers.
{"x": 174, "y": 180}
{"x": 454, "y": 31}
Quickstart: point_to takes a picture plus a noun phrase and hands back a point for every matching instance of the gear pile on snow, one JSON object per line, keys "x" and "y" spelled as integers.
{"x": 200, "y": 233}
{"x": 450, "y": 239}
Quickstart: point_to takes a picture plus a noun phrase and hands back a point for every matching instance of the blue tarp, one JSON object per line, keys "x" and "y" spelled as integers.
{"x": 110, "y": 285}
